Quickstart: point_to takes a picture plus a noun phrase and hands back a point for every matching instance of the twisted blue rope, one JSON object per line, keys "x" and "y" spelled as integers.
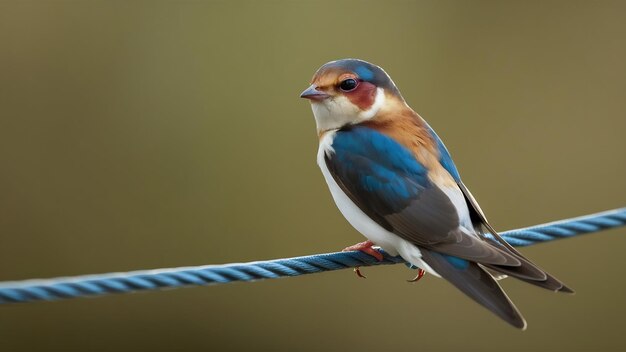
{"x": 92, "y": 285}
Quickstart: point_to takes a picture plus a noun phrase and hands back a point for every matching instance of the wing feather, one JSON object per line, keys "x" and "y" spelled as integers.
{"x": 388, "y": 184}
{"x": 527, "y": 271}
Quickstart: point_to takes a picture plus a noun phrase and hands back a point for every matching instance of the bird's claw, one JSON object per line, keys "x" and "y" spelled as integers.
{"x": 365, "y": 247}
{"x": 357, "y": 271}
{"x": 420, "y": 274}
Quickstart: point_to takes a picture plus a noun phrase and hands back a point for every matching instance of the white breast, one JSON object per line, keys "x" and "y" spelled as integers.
{"x": 389, "y": 241}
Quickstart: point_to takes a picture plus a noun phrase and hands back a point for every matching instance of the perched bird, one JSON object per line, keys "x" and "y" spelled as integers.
{"x": 395, "y": 182}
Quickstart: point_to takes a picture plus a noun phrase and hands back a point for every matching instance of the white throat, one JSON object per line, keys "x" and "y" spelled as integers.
{"x": 336, "y": 112}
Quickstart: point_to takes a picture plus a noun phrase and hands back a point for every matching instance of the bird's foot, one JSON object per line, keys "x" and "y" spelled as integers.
{"x": 365, "y": 247}
{"x": 420, "y": 274}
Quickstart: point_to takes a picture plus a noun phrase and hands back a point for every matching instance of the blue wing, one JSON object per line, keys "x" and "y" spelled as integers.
{"x": 387, "y": 183}
{"x": 377, "y": 165}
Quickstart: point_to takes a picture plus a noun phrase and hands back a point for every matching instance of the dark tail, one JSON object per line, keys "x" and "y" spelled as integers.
{"x": 528, "y": 272}
{"x": 477, "y": 283}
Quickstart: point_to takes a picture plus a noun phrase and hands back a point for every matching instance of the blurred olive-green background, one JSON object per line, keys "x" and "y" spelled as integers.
{"x": 153, "y": 134}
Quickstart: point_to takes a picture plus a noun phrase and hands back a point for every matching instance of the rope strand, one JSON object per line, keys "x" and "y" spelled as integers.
{"x": 142, "y": 280}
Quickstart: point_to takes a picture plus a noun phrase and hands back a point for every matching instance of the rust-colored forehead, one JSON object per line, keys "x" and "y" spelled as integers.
{"x": 329, "y": 77}
{"x": 331, "y": 73}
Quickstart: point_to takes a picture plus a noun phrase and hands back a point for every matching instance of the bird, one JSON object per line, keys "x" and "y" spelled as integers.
{"x": 395, "y": 182}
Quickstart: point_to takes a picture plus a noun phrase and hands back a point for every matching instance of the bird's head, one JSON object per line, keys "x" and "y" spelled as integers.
{"x": 350, "y": 91}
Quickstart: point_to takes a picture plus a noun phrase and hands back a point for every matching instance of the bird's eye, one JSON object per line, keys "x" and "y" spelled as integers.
{"x": 348, "y": 84}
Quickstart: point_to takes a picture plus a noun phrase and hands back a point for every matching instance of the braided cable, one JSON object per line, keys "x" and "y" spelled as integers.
{"x": 142, "y": 280}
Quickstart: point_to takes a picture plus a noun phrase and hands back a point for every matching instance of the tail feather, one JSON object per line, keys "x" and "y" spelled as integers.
{"x": 527, "y": 272}
{"x": 550, "y": 282}
{"x": 476, "y": 283}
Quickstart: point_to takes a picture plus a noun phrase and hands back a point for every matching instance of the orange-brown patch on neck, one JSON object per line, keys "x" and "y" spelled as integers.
{"x": 410, "y": 130}
{"x": 406, "y": 127}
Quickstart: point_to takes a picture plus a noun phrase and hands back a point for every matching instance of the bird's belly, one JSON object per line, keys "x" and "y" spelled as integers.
{"x": 358, "y": 219}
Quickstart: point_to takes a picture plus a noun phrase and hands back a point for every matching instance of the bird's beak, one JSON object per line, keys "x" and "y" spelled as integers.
{"x": 313, "y": 94}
